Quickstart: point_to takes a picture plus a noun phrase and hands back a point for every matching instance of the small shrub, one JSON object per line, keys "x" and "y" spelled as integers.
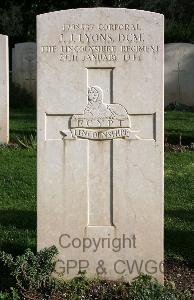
{"x": 32, "y": 274}
{"x": 12, "y": 295}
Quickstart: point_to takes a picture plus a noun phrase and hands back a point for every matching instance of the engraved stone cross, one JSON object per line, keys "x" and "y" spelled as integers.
{"x": 30, "y": 75}
{"x": 99, "y": 124}
{"x": 178, "y": 71}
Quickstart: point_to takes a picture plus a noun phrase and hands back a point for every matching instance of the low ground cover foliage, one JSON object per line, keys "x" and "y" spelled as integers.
{"x": 32, "y": 276}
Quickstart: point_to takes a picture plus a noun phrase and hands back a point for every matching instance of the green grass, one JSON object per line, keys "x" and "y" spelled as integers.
{"x": 18, "y": 186}
{"x": 179, "y": 123}
{"x": 179, "y": 205}
{"x": 17, "y": 199}
{"x": 22, "y": 123}
{"x": 18, "y": 189}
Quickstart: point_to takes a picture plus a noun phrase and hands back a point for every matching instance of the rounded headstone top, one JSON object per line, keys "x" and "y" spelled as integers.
{"x": 4, "y": 38}
{"x": 25, "y": 45}
{"x": 179, "y": 73}
{"x": 134, "y": 12}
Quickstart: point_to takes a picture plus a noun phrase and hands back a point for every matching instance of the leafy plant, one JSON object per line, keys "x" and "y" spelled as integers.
{"x": 33, "y": 277}
{"x": 32, "y": 273}
{"x": 28, "y": 142}
{"x": 12, "y": 295}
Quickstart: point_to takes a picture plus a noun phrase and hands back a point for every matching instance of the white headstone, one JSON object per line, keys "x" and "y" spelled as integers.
{"x": 4, "y": 89}
{"x": 100, "y": 140}
{"x": 13, "y": 66}
{"x": 179, "y": 73}
{"x": 24, "y": 66}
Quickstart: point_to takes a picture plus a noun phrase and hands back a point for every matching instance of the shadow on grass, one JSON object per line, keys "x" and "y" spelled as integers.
{"x": 20, "y": 219}
{"x": 179, "y": 123}
{"x": 22, "y": 125}
{"x": 182, "y": 214}
{"x": 23, "y": 116}
{"x": 174, "y": 138}
{"x": 181, "y": 242}
{"x": 22, "y": 132}
{"x": 6, "y": 280}
{"x": 24, "y": 221}
{"x": 176, "y": 117}
{"x": 15, "y": 248}
{"x": 20, "y": 98}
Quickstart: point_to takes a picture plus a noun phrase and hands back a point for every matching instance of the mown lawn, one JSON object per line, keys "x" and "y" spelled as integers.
{"x": 179, "y": 123}
{"x": 18, "y": 189}
{"x": 18, "y": 186}
{"x": 17, "y": 199}
{"x": 22, "y": 123}
{"x": 179, "y": 205}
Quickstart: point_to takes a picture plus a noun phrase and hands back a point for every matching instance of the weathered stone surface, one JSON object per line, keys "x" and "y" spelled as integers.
{"x": 24, "y": 66}
{"x": 4, "y": 87}
{"x": 179, "y": 73}
{"x": 100, "y": 140}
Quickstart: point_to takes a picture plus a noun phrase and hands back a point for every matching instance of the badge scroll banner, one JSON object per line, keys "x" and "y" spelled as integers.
{"x": 106, "y": 134}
